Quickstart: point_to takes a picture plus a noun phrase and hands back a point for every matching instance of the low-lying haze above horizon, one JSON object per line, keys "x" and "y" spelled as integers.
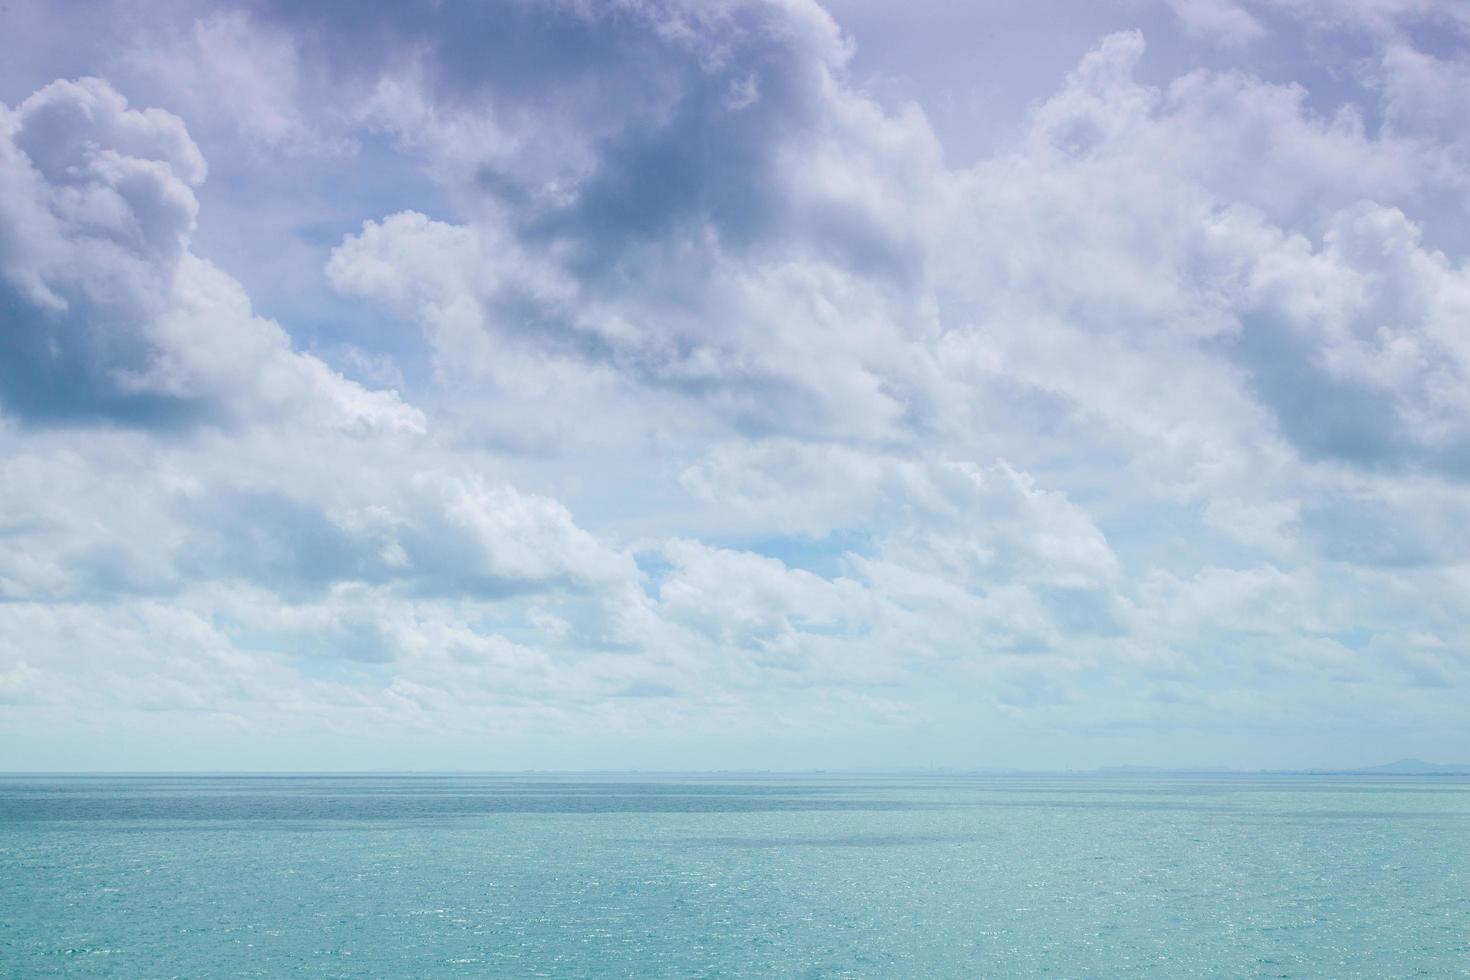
{"x": 690, "y": 385}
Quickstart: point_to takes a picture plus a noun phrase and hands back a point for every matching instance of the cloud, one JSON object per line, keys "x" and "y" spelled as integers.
{"x": 962, "y": 521}
{"x": 98, "y": 209}
{"x": 701, "y": 393}
{"x": 715, "y": 250}
{"x": 1222, "y": 19}
{"x": 192, "y": 518}
{"x": 1381, "y": 17}
{"x": 1353, "y": 345}
{"x": 111, "y": 316}
{"x": 227, "y": 67}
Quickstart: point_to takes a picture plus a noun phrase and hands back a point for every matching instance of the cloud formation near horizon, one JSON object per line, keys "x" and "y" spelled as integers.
{"x": 608, "y": 384}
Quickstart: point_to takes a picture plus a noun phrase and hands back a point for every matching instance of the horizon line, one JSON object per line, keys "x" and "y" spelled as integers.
{"x": 1445, "y": 769}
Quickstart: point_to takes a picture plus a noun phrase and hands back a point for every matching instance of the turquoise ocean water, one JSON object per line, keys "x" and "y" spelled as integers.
{"x": 820, "y": 876}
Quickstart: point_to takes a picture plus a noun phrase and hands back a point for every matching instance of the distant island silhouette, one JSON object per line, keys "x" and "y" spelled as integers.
{"x": 1399, "y": 767}
{"x": 1416, "y": 767}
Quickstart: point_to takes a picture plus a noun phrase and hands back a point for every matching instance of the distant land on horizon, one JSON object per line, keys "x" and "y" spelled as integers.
{"x": 1417, "y": 767}
{"x": 1399, "y": 767}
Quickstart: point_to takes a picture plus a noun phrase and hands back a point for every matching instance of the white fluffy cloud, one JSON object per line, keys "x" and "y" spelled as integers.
{"x": 722, "y": 403}
{"x": 112, "y": 316}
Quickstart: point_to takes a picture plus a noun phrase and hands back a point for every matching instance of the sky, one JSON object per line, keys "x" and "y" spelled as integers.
{"x": 701, "y": 384}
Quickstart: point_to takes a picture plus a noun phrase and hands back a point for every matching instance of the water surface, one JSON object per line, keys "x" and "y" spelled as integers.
{"x": 811, "y": 876}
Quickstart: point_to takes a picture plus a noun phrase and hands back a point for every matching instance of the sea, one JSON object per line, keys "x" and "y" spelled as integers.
{"x": 734, "y": 875}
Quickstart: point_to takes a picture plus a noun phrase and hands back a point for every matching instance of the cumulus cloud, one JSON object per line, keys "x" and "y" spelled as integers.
{"x": 98, "y": 211}
{"x": 112, "y": 316}
{"x": 730, "y": 251}
{"x": 712, "y": 397}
